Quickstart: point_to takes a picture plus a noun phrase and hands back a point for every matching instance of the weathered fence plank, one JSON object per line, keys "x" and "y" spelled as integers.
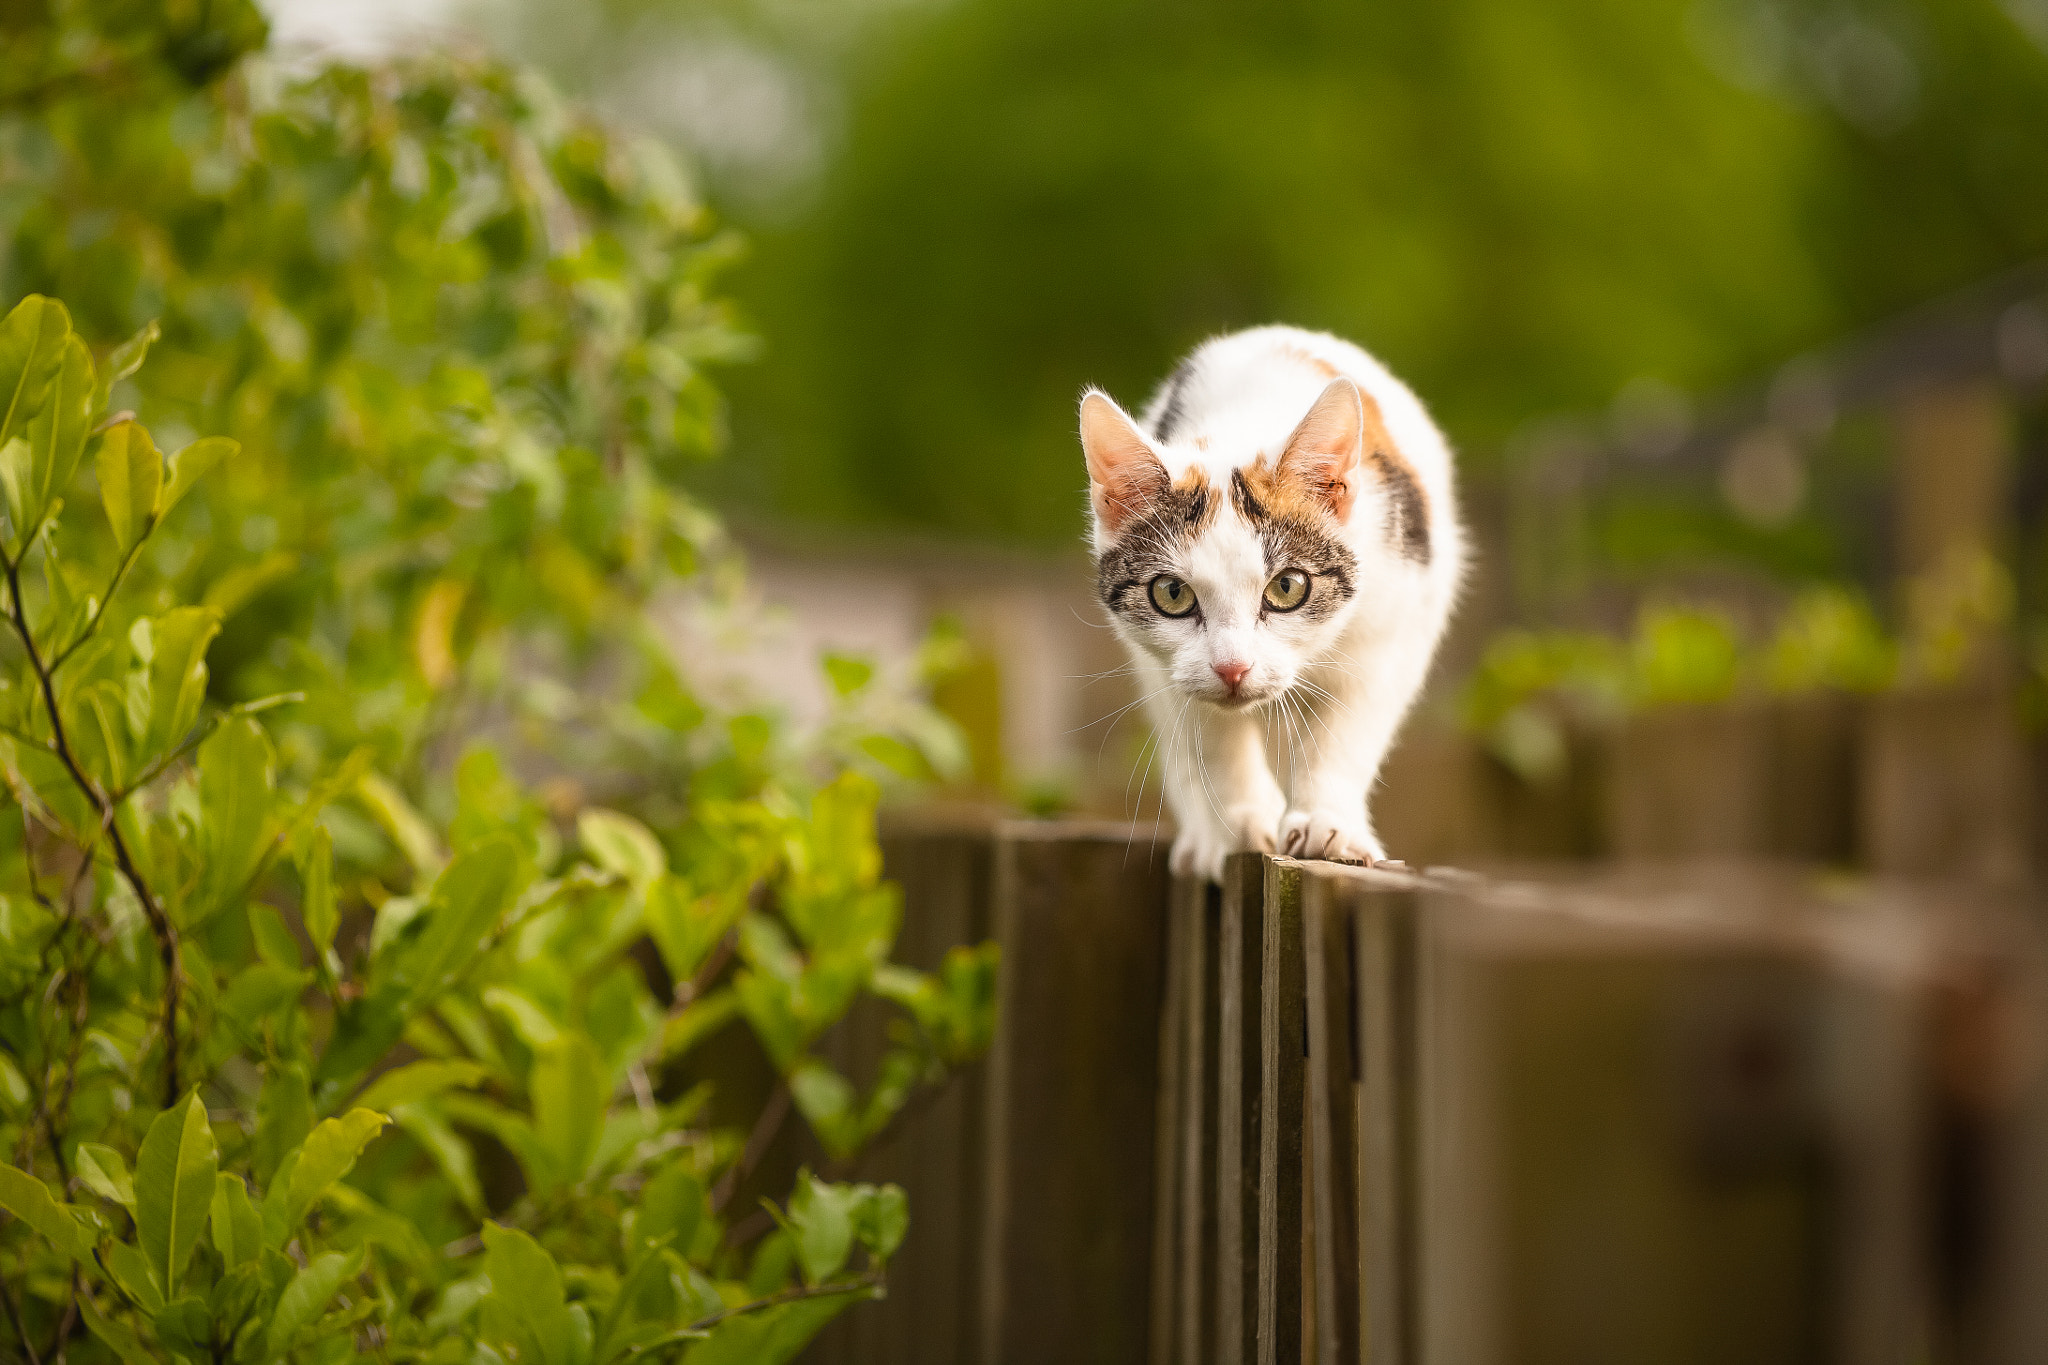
{"x": 1282, "y": 1045}
{"x": 1240, "y": 1012}
{"x": 1201, "y": 907}
{"x": 1072, "y": 1088}
{"x": 1329, "y": 962}
{"x": 932, "y": 1315}
{"x": 1170, "y": 1204}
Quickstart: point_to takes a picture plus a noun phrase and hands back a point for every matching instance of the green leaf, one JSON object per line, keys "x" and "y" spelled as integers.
{"x": 371, "y": 1224}
{"x": 17, "y": 481}
{"x": 32, "y": 338}
{"x": 284, "y": 1115}
{"x": 528, "y": 1020}
{"x": 131, "y": 472}
{"x": 467, "y": 902}
{"x": 235, "y": 786}
{"x": 697, "y": 1021}
{"x": 174, "y": 1175}
{"x": 189, "y": 465}
{"x": 131, "y": 1270}
{"x": 526, "y": 1305}
{"x": 105, "y": 1173}
{"x": 773, "y": 1336}
{"x": 848, "y": 674}
{"x": 881, "y": 1220}
{"x": 423, "y": 1124}
{"x": 30, "y": 1200}
{"x": 259, "y": 991}
{"x": 274, "y": 941}
{"x": 622, "y": 845}
{"x": 186, "y": 1327}
{"x": 821, "y": 1220}
{"x": 308, "y": 1293}
{"x": 407, "y": 827}
{"x": 56, "y": 435}
{"x": 316, "y": 880}
{"x": 323, "y": 1158}
{"x": 670, "y": 1207}
{"x": 237, "y": 1227}
{"x": 419, "y": 1081}
{"x": 123, "y": 361}
{"x": 114, "y": 1336}
{"x": 570, "y": 1090}
{"x": 826, "y": 1099}
{"x": 174, "y": 646}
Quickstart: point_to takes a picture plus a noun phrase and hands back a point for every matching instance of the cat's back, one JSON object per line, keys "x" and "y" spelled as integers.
{"x": 1243, "y": 392}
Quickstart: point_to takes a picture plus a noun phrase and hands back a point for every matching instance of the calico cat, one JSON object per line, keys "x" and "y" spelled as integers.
{"x": 1277, "y": 542}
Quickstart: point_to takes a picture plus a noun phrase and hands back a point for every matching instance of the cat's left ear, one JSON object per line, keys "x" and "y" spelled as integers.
{"x": 1328, "y": 446}
{"x": 1124, "y": 472}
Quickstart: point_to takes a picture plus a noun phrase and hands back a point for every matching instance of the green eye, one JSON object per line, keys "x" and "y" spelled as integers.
{"x": 1288, "y": 590}
{"x": 1171, "y": 596}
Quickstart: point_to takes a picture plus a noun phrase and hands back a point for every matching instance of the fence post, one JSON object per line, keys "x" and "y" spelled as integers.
{"x": 1281, "y": 1074}
{"x": 1072, "y": 1090}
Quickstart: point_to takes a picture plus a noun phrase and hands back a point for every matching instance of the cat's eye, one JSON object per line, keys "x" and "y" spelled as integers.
{"x": 1288, "y": 590}
{"x": 1171, "y": 596}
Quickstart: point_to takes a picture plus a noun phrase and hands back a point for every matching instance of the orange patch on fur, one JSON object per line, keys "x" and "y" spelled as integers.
{"x": 1376, "y": 440}
{"x": 1288, "y": 492}
{"x": 1319, "y": 365}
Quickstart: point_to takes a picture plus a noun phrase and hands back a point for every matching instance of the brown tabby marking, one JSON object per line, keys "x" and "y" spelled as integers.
{"x": 1143, "y": 546}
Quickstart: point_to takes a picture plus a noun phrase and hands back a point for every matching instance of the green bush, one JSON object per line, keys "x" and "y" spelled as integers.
{"x": 252, "y": 1109}
{"x": 336, "y": 1016}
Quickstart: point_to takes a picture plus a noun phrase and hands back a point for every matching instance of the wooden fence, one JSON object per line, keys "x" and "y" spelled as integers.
{"x": 1325, "y": 1113}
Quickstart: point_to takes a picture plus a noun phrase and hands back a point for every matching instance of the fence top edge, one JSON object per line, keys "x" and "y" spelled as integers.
{"x": 979, "y": 822}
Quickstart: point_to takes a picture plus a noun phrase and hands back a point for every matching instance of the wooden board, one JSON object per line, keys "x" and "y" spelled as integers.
{"x": 1071, "y": 1100}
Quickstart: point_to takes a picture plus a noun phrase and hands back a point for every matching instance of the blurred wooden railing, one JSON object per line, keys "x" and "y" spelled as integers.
{"x": 1325, "y": 1113}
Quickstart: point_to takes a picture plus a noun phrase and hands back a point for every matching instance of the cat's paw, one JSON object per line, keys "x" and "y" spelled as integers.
{"x": 1255, "y": 826}
{"x": 1199, "y": 852}
{"x": 1337, "y": 836}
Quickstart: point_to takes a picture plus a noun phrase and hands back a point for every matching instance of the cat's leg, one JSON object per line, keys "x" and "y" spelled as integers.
{"x": 1216, "y": 779}
{"x": 1348, "y": 713}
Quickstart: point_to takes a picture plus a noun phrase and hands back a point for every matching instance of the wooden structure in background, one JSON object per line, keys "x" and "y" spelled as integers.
{"x": 1338, "y": 1115}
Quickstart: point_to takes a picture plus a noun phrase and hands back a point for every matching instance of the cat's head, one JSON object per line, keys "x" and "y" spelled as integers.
{"x": 1232, "y": 568}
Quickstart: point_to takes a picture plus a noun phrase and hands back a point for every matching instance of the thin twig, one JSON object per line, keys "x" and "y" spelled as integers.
{"x": 689, "y": 991}
{"x": 871, "y": 1280}
{"x": 766, "y": 1126}
{"x": 66, "y": 1322}
{"x": 20, "y": 1328}
{"x": 159, "y": 923}
{"x": 92, "y": 623}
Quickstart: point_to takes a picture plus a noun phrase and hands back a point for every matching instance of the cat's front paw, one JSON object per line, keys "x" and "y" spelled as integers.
{"x": 1199, "y": 852}
{"x": 1255, "y": 827}
{"x": 1333, "y": 835}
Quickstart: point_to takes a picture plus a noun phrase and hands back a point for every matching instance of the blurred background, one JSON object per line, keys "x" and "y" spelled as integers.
{"x": 1735, "y": 310}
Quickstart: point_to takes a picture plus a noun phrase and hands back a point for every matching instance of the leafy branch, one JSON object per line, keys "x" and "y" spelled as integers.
{"x": 160, "y": 926}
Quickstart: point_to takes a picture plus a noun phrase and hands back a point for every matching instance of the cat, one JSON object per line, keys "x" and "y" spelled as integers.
{"x": 1277, "y": 543}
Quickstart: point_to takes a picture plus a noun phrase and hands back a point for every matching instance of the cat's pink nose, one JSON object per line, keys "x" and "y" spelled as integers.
{"x": 1232, "y": 672}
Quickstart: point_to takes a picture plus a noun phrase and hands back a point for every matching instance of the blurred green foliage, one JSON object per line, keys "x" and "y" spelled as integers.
{"x": 1521, "y": 205}
{"x": 1532, "y": 687}
{"x": 333, "y": 1028}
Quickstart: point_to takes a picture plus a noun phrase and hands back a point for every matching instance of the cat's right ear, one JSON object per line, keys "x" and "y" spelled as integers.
{"x": 1124, "y": 473}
